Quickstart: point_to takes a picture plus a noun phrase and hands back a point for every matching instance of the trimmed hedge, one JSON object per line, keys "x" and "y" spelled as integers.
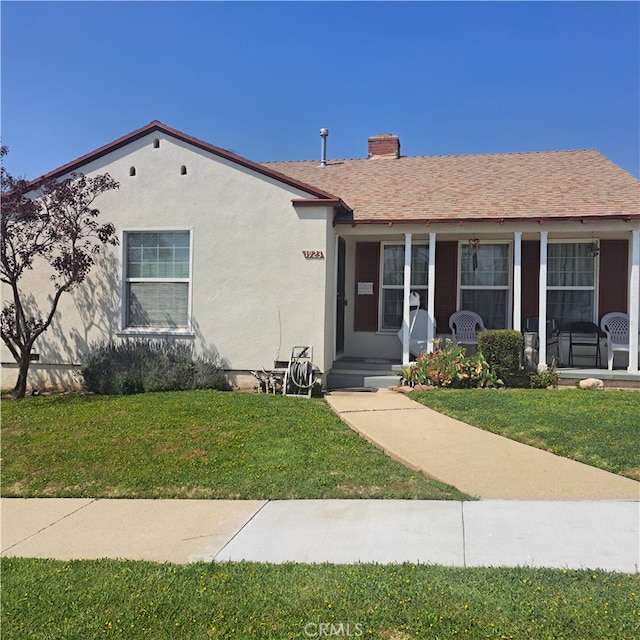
{"x": 138, "y": 366}
{"x": 501, "y": 349}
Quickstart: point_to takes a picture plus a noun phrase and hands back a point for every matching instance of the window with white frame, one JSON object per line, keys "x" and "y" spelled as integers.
{"x": 393, "y": 281}
{"x": 571, "y": 282}
{"x": 484, "y": 282}
{"x": 157, "y": 279}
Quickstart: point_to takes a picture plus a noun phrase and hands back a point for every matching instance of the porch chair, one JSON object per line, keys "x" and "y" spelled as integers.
{"x": 418, "y": 320}
{"x": 531, "y": 325}
{"x": 584, "y": 334}
{"x": 465, "y": 326}
{"x": 616, "y": 326}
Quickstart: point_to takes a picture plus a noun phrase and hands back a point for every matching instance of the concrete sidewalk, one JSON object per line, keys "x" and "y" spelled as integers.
{"x": 477, "y": 462}
{"x": 595, "y": 535}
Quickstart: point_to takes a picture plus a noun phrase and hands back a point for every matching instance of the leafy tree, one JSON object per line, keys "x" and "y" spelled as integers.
{"x": 50, "y": 220}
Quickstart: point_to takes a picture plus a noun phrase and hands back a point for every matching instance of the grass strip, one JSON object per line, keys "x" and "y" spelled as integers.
{"x": 598, "y": 428}
{"x": 195, "y": 444}
{"x": 46, "y": 599}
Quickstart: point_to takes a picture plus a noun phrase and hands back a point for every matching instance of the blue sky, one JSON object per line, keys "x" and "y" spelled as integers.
{"x": 262, "y": 78}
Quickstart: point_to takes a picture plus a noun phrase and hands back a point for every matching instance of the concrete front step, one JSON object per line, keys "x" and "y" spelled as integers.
{"x": 377, "y": 375}
{"x": 382, "y": 382}
{"x": 353, "y": 379}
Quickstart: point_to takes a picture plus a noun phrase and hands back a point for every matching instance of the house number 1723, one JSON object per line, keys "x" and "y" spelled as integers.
{"x": 310, "y": 255}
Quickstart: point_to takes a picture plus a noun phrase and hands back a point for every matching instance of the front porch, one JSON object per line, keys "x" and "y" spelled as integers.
{"x": 380, "y": 373}
{"x": 506, "y": 273}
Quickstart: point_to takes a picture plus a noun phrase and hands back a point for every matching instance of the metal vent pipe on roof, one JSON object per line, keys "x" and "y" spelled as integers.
{"x": 323, "y": 150}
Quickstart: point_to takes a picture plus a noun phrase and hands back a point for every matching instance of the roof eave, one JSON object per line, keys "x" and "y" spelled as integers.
{"x": 337, "y": 203}
{"x": 541, "y": 220}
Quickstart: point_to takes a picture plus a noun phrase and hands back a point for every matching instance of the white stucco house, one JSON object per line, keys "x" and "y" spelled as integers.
{"x": 247, "y": 259}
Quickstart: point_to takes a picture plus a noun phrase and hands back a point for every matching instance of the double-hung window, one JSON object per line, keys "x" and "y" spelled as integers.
{"x": 484, "y": 282}
{"x": 393, "y": 281}
{"x": 157, "y": 279}
{"x": 571, "y": 282}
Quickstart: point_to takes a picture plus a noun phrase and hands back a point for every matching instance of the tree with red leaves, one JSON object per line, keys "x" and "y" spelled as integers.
{"x": 50, "y": 220}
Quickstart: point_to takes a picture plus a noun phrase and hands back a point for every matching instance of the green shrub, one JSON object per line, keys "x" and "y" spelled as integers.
{"x": 136, "y": 366}
{"x": 543, "y": 379}
{"x": 501, "y": 349}
{"x": 449, "y": 366}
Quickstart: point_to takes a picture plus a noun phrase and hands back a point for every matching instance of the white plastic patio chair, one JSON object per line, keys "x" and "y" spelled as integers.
{"x": 418, "y": 320}
{"x": 465, "y": 326}
{"x": 616, "y": 326}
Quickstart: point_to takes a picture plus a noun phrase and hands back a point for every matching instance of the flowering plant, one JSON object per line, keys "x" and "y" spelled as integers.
{"x": 449, "y": 366}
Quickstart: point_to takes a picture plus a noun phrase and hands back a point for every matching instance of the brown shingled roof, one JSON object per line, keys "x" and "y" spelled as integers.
{"x": 557, "y": 184}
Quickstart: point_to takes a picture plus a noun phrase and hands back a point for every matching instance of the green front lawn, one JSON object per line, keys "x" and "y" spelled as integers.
{"x": 207, "y": 444}
{"x": 600, "y": 428}
{"x": 195, "y": 444}
{"x": 82, "y": 600}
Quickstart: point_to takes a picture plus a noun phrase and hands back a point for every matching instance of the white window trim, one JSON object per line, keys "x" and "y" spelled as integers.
{"x": 400, "y": 287}
{"x": 508, "y": 287}
{"x": 596, "y": 274}
{"x": 125, "y": 331}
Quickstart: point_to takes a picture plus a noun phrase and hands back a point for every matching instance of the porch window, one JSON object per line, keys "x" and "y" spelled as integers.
{"x": 393, "y": 281}
{"x": 571, "y": 282}
{"x": 484, "y": 282}
{"x": 157, "y": 279}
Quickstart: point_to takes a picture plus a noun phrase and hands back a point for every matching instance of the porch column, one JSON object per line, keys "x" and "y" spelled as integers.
{"x": 542, "y": 304}
{"x": 334, "y": 350}
{"x": 634, "y": 301}
{"x": 431, "y": 293}
{"x": 405, "y": 301}
{"x": 517, "y": 280}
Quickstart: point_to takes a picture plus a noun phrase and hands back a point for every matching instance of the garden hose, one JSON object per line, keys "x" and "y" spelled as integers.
{"x": 301, "y": 374}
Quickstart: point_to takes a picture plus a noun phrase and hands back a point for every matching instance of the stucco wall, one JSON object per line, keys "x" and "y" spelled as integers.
{"x": 254, "y": 294}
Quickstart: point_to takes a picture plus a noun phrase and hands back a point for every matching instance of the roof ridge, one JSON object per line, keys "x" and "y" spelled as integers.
{"x": 502, "y": 153}
{"x": 440, "y": 155}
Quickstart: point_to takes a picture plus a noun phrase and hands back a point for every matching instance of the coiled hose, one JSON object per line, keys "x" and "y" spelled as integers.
{"x": 301, "y": 374}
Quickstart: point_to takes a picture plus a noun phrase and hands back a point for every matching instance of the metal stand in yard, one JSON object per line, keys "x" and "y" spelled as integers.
{"x": 300, "y": 376}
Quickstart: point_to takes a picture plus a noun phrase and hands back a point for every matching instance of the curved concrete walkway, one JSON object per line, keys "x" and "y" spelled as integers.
{"x": 475, "y": 461}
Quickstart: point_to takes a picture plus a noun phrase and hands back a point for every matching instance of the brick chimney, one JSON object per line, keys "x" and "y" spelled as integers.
{"x": 384, "y": 145}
